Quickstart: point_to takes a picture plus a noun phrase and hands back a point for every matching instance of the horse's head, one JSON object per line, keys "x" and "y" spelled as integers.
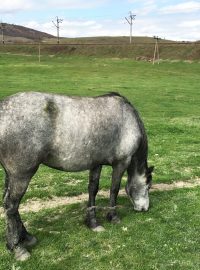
{"x": 137, "y": 189}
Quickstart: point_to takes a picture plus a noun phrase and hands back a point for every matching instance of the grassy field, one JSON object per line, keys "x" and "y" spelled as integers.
{"x": 112, "y": 47}
{"x": 167, "y": 237}
{"x": 167, "y": 97}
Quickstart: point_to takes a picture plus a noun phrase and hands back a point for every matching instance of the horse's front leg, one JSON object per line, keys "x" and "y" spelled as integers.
{"x": 118, "y": 171}
{"x": 93, "y": 188}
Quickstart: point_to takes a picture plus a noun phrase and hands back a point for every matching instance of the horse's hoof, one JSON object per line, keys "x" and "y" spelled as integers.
{"x": 21, "y": 254}
{"x": 98, "y": 229}
{"x": 115, "y": 220}
{"x": 29, "y": 241}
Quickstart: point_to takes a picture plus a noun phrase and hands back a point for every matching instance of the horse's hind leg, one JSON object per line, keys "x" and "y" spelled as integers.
{"x": 93, "y": 189}
{"x": 16, "y": 232}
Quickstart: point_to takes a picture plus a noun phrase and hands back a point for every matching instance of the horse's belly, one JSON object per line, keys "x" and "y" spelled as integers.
{"x": 79, "y": 159}
{"x": 66, "y": 165}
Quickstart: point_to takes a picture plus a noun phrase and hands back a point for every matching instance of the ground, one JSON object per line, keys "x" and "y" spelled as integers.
{"x": 164, "y": 238}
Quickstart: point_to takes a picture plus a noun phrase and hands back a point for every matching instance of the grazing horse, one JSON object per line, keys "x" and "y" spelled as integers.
{"x": 70, "y": 134}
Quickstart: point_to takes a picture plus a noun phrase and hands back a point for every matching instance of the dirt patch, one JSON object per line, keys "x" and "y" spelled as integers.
{"x": 176, "y": 185}
{"x": 35, "y": 205}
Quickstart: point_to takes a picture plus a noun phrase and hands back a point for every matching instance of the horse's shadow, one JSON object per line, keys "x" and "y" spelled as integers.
{"x": 70, "y": 219}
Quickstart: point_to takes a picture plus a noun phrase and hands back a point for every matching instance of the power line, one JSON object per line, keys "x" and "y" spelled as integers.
{"x": 57, "y": 25}
{"x": 130, "y": 21}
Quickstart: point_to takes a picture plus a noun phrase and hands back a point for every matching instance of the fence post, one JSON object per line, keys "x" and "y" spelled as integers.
{"x": 39, "y": 53}
{"x": 156, "y": 51}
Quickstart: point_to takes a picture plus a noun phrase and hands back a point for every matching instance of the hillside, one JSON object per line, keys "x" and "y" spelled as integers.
{"x": 17, "y": 33}
{"x": 20, "y": 34}
{"x": 107, "y": 40}
{"x": 19, "y": 39}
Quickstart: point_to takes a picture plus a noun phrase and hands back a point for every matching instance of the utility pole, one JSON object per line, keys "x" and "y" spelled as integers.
{"x": 130, "y": 21}
{"x": 57, "y": 25}
{"x": 2, "y": 32}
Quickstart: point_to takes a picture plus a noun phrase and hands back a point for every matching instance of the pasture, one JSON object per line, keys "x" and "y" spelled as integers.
{"x": 168, "y": 99}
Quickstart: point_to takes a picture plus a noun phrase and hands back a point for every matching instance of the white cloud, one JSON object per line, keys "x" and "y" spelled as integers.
{"x": 79, "y": 23}
{"x": 141, "y": 27}
{"x": 75, "y": 4}
{"x": 192, "y": 23}
{"x": 11, "y": 6}
{"x": 147, "y": 9}
{"x": 15, "y": 5}
{"x": 144, "y": 2}
{"x": 144, "y": 8}
{"x": 70, "y": 28}
{"x": 186, "y": 7}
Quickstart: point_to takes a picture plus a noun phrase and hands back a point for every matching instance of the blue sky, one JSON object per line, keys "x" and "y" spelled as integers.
{"x": 177, "y": 19}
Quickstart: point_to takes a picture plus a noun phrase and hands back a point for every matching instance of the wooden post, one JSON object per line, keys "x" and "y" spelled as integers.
{"x": 2, "y": 32}
{"x": 39, "y": 53}
{"x": 156, "y": 52}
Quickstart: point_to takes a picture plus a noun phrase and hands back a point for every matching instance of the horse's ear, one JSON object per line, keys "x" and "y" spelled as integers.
{"x": 150, "y": 169}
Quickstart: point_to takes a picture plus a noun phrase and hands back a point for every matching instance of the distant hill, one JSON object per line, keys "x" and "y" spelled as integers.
{"x": 20, "y": 39}
{"x": 18, "y": 33}
{"x": 109, "y": 40}
{"x": 21, "y": 34}
{"x": 114, "y": 40}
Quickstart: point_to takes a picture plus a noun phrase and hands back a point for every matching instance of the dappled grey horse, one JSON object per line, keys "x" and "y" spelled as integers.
{"x": 70, "y": 134}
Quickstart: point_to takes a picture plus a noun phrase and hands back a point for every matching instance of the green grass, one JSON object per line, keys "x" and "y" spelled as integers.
{"x": 165, "y": 238}
{"x": 167, "y": 97}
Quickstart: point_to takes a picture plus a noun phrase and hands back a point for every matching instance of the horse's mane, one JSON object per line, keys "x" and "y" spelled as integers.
{"x": 115, "y": 94}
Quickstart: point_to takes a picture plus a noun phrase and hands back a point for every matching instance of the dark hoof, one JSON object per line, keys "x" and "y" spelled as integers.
{"x": 93, "y": 225}
{"x": 29, "y": 241}
{"x": 21, "y": 253}
{"x": 113, "y": 218}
